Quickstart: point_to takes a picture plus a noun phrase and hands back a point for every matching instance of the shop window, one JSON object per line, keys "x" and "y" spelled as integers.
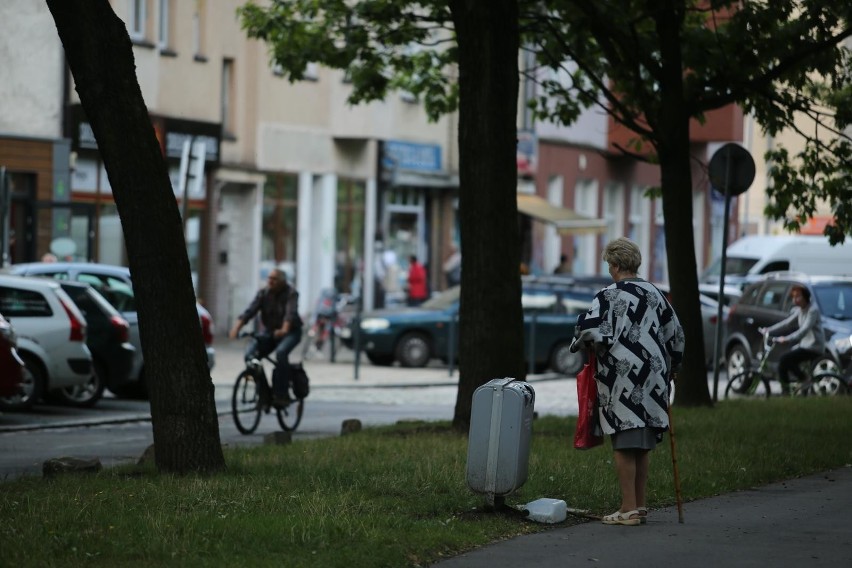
{"x": 349, "y": 235}
{"x": 110, "y": 236}
{"x": 280, "y": 208}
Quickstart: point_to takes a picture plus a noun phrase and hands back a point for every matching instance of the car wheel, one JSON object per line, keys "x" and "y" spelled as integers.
{"x": 564, "y": 362}
{"x": 738, "y": 360}
{"x": 88, "y": 393}
{"x": 827, "y": 377}
{"x": 413, "y": 350}
{"x": 32, "y": 387}
{"x": 380, "y": 360}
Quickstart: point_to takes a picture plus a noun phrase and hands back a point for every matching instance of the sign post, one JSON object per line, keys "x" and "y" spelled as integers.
{"x": 731, "y": 172}
{"x": 5, "y": 209}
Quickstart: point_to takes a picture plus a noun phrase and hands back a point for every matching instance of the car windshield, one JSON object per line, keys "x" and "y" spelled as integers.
{"x": 553, "y": 300}
{"x": 734, "y": 266}
{"x": 533, "y": 299}
{"x": 835, "y": 299}
{"x": 444, "y": 300}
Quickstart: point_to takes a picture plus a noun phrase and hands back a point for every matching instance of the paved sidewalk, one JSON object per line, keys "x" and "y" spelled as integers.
{"x": 433, "y": 385}
{"x": 798, "y": 523}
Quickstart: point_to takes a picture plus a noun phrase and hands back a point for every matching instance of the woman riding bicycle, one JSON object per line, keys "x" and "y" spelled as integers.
{"x": 278, "y": 305}
{"x": 805, "y": 323}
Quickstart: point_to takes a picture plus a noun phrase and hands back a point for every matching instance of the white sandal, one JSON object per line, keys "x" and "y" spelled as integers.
{"x": 643, "y": 514}
{"x": 619, "y": 518}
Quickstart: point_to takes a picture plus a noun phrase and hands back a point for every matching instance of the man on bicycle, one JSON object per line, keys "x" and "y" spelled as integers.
{"x": 278, "y": 304}
{"x": 806, "y": 326}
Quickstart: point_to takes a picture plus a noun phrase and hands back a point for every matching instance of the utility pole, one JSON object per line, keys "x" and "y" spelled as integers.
{"x": 5, "y": 211}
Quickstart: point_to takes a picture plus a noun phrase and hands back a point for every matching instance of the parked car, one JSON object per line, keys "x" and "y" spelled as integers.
{"x": 51, "y": 335}
{"x": 768, "y": 301}
{"x": 115, "y": 284}
{"x": 755, "y": 255}
{"x": 11, "y": 366}
{"x": 107, "y": 337}
{"x": 709, "y": 319}
{"x": 414, "y": 336}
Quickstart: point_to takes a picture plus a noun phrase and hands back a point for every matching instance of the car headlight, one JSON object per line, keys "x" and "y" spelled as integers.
{"x": 375, "y": 324}
{"x": 843, "y": 344}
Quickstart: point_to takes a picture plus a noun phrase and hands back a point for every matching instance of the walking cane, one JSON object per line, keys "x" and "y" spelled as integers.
{"x": 678, "y": 497}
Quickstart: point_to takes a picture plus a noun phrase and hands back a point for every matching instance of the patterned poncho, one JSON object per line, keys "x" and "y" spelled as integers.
{"x": 638, "y": 341}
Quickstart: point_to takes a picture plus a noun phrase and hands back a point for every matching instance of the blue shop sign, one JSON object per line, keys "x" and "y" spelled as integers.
{"x": 411, "y": 156}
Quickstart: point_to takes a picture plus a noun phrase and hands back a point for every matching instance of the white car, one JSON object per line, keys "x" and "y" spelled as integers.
{"x": 114, "y": 284}
{"x": 51, "y": 333}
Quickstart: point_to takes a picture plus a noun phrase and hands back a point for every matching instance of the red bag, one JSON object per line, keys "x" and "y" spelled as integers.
{"x": 587, "y": 399}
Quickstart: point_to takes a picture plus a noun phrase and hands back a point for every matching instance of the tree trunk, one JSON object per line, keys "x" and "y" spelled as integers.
{"x": 183, "y": 409}
{"x": 676, "y": 180}
{"x": 490, "y": 316}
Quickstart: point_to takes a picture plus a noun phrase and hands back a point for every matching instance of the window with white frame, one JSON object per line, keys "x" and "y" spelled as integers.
{"x": 137, "y": 20}
{"x": 164, "y": 36}
{"x": 639, "y": 221}
{"x": 552, "y": 239}
{"x": 613, "y": 214}
{"x": 198, "y": 39}
{"x": 586, "y": 203}
{"x": 659, "y": 266}
{"x": 227, "y": 95}
{"x": 699, "y": 217}
{"x": 311, "y": 71}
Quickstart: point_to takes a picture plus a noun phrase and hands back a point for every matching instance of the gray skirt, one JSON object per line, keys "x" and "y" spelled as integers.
{"x": 635, "y": 439}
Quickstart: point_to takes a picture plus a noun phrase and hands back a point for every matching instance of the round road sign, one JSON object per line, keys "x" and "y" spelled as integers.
{"x": 731, "y": 169}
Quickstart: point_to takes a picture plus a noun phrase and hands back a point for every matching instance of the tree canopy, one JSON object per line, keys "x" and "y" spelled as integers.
{"x": 653, "y": 65}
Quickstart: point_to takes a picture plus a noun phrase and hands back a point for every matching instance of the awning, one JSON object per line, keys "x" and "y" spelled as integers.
{"x": 567, "y": 221}
{"x": 425, "y": 179}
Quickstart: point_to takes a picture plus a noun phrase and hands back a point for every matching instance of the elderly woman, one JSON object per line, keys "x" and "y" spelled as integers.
{"x": 638, "y": 341}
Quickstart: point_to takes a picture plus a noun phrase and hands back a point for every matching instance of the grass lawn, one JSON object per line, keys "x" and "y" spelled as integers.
{"x": 392, "y": 496}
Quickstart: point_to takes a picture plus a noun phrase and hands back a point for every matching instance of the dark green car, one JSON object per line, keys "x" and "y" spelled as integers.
{"x": 414, "y": 336}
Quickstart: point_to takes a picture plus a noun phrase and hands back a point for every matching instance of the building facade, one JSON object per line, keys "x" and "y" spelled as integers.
{"x": 579, "y": 168}
{"x": 293, "y": 176}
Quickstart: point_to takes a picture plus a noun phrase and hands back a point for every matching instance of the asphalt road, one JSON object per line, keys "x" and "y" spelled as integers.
{"x": 118, "y": 431}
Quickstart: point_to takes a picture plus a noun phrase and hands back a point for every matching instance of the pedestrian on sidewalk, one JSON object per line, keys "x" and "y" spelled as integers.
{"x": 278, "y": 305}
{"x": 628, "y": 317}
{"x": 418, "y": 290}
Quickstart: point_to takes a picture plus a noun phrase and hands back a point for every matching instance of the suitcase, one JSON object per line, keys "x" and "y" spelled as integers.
{"x": 499, "y": 440}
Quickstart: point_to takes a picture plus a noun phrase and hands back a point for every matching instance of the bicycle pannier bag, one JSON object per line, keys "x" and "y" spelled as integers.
{"x": 299, "y": 381}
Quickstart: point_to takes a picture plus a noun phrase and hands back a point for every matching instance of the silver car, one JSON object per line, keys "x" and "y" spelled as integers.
{"x": 114, "y": 284}
{"x": 51, "y": 335}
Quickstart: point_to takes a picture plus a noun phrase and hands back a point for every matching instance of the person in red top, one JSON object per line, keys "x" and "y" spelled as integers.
{"x": 417, "y": 290}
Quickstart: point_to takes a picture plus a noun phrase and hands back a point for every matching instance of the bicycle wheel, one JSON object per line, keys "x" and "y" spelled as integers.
{"x": 747, "y": 384}
{"x": 290, "y": 416}
{"x": 245, "y": 403}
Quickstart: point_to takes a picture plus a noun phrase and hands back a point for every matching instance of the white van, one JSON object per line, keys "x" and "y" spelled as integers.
{"x": 755, "y": 255}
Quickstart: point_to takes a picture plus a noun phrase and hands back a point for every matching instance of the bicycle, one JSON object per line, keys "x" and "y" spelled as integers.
{"x": 754, "y": 382}
{"x": 327, "y": 321}
{"x": 252, "y": 397}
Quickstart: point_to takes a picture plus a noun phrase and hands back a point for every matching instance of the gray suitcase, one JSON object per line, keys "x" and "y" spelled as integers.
{"x": 499, "y": 440}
